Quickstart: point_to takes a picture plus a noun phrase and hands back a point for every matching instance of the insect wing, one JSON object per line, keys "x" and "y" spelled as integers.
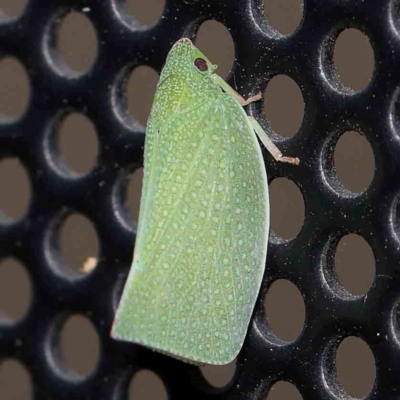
{"x": 193, "y": 285}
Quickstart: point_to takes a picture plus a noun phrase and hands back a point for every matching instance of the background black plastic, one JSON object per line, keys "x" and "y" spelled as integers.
{"x": 331, "y": 212}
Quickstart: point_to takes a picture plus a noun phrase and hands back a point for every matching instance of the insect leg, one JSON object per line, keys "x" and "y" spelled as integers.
{"x": 267, "y": 142}
{"x": 228, "y": 89}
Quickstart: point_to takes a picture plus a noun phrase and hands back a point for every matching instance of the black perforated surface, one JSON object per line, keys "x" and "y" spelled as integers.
{"x": 307, "y": 260}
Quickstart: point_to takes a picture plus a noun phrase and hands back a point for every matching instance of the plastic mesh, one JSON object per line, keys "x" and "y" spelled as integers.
{"x": 307, "y": 260}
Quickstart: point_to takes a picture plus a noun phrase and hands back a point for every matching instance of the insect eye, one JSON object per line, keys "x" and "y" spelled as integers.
{"x": 201, "y": 64}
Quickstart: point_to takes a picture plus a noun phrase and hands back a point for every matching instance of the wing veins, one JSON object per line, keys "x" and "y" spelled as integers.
{"x": 198, "y": 270}
{"x": 154, "y": 176}
{"x": 190, "y": 174}
{"x": 228, "y": 184}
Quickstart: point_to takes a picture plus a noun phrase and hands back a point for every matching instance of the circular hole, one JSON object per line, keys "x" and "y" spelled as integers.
{"x": 354, "y": 264}
{"x": 215, "y": 41}
{"x": 283, "y": 98}
{"x": 15, "y": 290}
{"x": 355, "y": 367}
{"x": 146, "y": 385}
{"x": 77, "y": 42}
{"x": 285, "y": 310}
{"x": 15, "y": 380}
{"x": 140, "y": 90}
{"x": 396, "y": 321}
{"x": 14, "y": 88}
{"x": 284, "y": 15}
{"x": 12, "y": 8}
{"x": 395, "y": 217}
{"x": 395, "y": 14}
{"x": 78, "y": 243}
{"x": 80, "y": 345}
{"x": 353, "y": 59}
{"x": 134, "y": 190}
{"x": 77, "y": 143}
{"x": 394, "y": 117}
{"x": 219, "y": 375}
{"x": 287, "y": 208}
{"x": 15, "y": 200}
{"x": 284, "y": 391}
{"x": 354, "y": 161}
{"x": 146, "y": 13}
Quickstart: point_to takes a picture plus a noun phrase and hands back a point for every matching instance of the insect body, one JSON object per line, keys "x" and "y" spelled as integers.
{"x": 203, "y": 227}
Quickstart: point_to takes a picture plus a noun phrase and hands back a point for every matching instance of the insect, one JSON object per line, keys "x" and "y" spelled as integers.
{"x": 203, "y": 227}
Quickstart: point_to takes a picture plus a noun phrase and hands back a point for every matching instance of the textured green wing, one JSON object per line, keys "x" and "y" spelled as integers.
{"x": 203, "y": 237}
